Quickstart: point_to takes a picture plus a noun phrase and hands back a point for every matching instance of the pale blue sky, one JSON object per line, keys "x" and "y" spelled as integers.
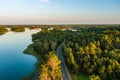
{"x": 59, "y": 11}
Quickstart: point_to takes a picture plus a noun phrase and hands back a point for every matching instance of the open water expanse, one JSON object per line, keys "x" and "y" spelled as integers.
{"x": 13, "y": 63}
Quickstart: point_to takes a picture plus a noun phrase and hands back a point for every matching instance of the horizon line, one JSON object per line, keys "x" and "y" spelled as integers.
{"x": 67, "y": 24}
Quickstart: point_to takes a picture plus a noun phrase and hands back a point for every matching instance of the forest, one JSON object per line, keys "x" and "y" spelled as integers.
{"x": 93, "y": 50}
{"x": 90, "y": 52}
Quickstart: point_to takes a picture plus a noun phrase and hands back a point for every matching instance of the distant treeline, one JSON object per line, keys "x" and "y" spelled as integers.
{"x": 17, "y": 28}
{"x": 21, "y": 28}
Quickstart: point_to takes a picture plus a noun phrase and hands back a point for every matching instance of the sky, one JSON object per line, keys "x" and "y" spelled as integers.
{"x": 59, "y": 11}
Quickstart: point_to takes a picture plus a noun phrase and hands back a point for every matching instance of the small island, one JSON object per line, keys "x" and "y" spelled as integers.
{"x": 17, "y": 28}
{"x": 3, "y": 30}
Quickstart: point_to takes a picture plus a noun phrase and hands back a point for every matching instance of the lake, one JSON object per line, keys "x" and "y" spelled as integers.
{"x": 13, "y": 63}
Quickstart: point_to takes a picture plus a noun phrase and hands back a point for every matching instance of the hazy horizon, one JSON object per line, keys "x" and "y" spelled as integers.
{"x": 59, "y": 12}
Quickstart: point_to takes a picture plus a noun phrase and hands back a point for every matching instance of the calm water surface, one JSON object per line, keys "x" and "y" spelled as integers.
{"x": 13, "y": 63}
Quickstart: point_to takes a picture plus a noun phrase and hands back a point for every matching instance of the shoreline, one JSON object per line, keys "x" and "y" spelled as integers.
{"x": 35, "y": 73}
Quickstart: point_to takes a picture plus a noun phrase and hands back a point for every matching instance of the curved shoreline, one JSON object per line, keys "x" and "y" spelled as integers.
{"x": 13, "y": 60}
{"x": 33, "y": 75}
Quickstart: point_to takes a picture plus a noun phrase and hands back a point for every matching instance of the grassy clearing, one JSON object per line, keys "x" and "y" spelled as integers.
{"x": 80, "y": 76}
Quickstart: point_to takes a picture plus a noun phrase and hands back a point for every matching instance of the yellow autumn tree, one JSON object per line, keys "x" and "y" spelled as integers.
{"x": 44, "y": 73}
{"x": 51, "y": 70}
{"x": 54, "y": 66}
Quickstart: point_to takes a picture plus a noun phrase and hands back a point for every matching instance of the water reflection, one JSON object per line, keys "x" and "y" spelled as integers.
{"x": 13, "y": 63}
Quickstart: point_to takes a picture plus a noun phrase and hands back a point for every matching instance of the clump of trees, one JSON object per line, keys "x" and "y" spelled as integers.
{"x": 33, "y": 27}
{"x": 3, "y": 30}
{"x": 18, "y": 28}
{"x": 50, "y": 70}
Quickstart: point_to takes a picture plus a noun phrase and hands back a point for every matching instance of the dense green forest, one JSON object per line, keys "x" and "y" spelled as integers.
{"x": 93, "y": 51}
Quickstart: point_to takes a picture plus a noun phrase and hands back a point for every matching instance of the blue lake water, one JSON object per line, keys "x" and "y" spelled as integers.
{"x": 13, "y": 63}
